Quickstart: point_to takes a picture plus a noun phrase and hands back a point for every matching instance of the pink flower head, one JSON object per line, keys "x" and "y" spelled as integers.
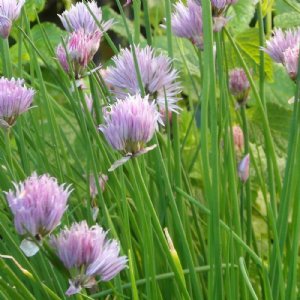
{"x": 290, "y": 58}
{"x": 238, "y": 138}
{"x": 239, "y": 85}
{"x": 88, "y": 253}
{"x": 187, "y": 22}
{"x": 129, "y": 125}
{"x": 15, "y": 99}
{"x": 38, "y": 205}
{"x": 280, "y": 42}
{"x": 9, "y": 11}
{"x": 158, "y": 77}
{"x": 80, "y": 18}
{"x": 81, "y": 48}
{"x": 244, "y": 168}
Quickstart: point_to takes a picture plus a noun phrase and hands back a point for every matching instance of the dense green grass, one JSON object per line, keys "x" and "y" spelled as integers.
{"x": 232, "y": 240}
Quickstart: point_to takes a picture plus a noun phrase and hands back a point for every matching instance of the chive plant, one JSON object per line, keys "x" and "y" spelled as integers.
{"x": 166, "y": 172}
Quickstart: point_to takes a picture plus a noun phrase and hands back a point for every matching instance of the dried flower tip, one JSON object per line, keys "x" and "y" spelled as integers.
{"x": 158, "y": 77}
{"x": 80, "y": 49}
{"x": 38, "y": 205}
{"x": 239, "y": 85}
{"x": 238, "y": 138}
{"x": 15, "y": 99}
{"x": 88, "y": 253}
{"x": 9, "y": 12}
{"x": 244, "y": 168}
{"x": 102, "y": 179}
{"x": 80, "y": 18}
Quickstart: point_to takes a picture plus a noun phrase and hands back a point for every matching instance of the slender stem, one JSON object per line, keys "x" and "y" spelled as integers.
{"x": 137, "y": 21}
{"x": 7, "y": 141}
{"x": 248, "y": 182}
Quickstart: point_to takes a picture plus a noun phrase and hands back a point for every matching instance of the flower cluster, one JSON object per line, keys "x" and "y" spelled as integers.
{"x": 9, "y": 12}
{"x": 84, "y": 36}
{"x": 283, "y": 47}
{"x": 158, "y": 77}
{"x": 187, "y": 19}
{"x": 88, "y": 253}
{"x": 129, "y": 125}
{"x": 15, "y": 99}
{"x": 38, "y": 205}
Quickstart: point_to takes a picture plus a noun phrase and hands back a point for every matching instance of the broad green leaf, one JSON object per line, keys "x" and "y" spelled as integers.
{"x": 287, "y": 20}
{"x": 279, "y": 120}
{"x": 33, "y": 7}
{"x": 241, "y": 14}
{"x": 118, "y": 27}
{"x": 281, "y": 90}
{"x": 248, "y": 43}
{"x": 53, "y": 33}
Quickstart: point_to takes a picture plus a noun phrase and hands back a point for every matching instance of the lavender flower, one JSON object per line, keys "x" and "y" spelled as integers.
{"x": 158, "y": 77}
{"x": 15, "y": 99}
{"x": 81, "y": 48}
{"x": 88, "y": 253}
{"x": 244, "y": 168}
{"x": 37, "y": 204}
{"x": 186, "y": 22}
{"x": 280, "y": 42}
{"x": 80, "y": 18}
{"x": 9, "y": 11}
{"x": 239, "y": 85}
{"x": 291, "y": 57}
{"x": 130, "y": 124}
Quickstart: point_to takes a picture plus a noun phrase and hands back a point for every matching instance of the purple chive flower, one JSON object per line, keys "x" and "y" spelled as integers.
{"x": 158, "y": 77}
{"x": 81, "y": 48}
{"x": 239, "y": 85}
{"x": 15, "y": 99}
{"x": 88, "y": 253}
{"x": 244, "y": 168}
{"x": 9, "y": 11}
{"x": 291, "y": 57}
{"x": 80, "y": 18}
{"x": 186, "y": 22}
{"x": 280, "y": 42}
{"x": 129, "y": 125}
{"x": 38, "y": 205}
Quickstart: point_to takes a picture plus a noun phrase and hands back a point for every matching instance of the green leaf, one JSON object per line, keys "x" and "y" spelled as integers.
{"x": 287, "y": 20}
{"x": 241, "y": 14}
{"x": 33, "y": 7}
{"x": 53, "y": 34}
{"x": 281, "y": 90}
{"x": 248, "y": 43}
{"x": 109, "y": 13}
